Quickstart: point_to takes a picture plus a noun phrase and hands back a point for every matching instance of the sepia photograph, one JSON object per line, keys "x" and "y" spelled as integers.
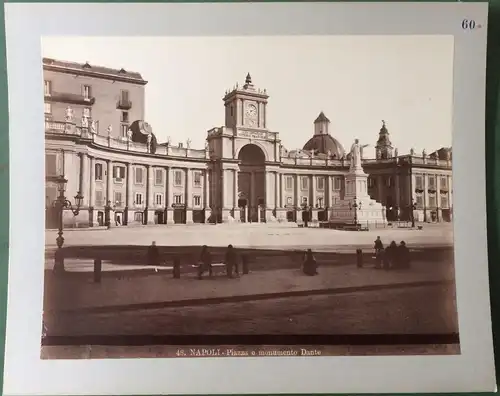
{"x": 287, "y": 193}
{"x": 252, "y": 207}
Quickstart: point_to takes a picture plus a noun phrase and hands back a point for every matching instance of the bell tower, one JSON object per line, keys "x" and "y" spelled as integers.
{"x": 321, "y": 124}
{"x": 383, "y": 149}
{"x": 246, "y": 107}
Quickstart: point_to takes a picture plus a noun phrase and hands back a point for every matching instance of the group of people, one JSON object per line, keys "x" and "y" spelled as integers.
{"x": 230, "y": 261}
{"x": 393, "y": 256}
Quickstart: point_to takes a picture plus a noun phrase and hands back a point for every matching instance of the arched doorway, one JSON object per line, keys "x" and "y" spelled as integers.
{"x": 251, "y": 183}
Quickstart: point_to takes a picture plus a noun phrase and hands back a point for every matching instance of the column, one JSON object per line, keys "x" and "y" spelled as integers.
{"x": 206, "y": 195}
{"x": 282, "y": 191}
{"x": 252, "y": 197}
{"x": 150, "y": 216}
{"x": 92, "y": 192}
{"x": 270, "y": 199}
{"x": 397, "y": 192}
{"x": 426, "y": 196}
{"x": 109, "y": 194}
{"x": 169, "y": 212}
{"x": 380, "y": 189}
{"x": 189, "y": 196}
{"x": 235, "y": 191}
{"x": 129, "y": 200}
{"x": 276, "y": 190}
{"x": 450, "y": 196}
{"x": 298, "y": 211}
{"x": 109, "y": 189}
{"x": 439, "y": 209}
{"x": 314, "y": 214}
{"x": 84, "y": 179}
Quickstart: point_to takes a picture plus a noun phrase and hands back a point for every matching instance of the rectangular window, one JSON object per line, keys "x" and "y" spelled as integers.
{"x": 289, "y": 182}
{"x": 118, "y": 199}
{"x": 99, "y": 198}
{"x": 118, "y": 173}
{"x": 197, "y": 179}
{"x": 337, "y": 183}
{"x": 304, "y": 180}
{"x": 98, "y": 172}
{"x": 124, "y": 96}
{"x": 177, "y": 199}
{"x": 320, "y": 202}
{"x": 321, "y": 183}
{"x": 159, "y": 199}
{"x": 432, "y": 182}
{"x": 86, "y": 91}
{"x": 86, "y": 112}
{"x": 304, "y": 200}
{"x": 178, "y": 178}
{"x": 138, "y": 199}
{"x": 139, "y": 175}
{"x": 51, "y": 164}
{"x": 50, "y": 195}
{"x": 197, "y": 200}
{"x": 420, "y": 201}
{"x": 444, "y": 201}
{"x": 47, "y": 88}
{"x": 159, "y": 177}
{"x": 419, "y": 182}
{"x": 124, "y": 128}
{"x": 124, "y": 116}
{"x": 47, "y": 108}
{"x": 432, "y": 200}
{"x": 444, "y": 182}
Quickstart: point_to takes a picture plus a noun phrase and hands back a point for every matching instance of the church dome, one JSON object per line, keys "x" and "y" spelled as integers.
{"x": 322, "y": 144}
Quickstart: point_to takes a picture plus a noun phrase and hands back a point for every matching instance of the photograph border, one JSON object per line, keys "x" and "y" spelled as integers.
{"x": 26, "y": 23}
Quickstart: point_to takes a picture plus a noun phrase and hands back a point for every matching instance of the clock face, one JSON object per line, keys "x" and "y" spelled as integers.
{"x": 251, "y": 114}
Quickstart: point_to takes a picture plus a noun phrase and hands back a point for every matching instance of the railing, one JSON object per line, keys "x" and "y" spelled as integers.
{"x": 69, "y": 128}
{"x": 124, "y": 104}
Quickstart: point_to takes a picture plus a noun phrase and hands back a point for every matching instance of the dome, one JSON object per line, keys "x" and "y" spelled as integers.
{"x": 322, "y": 144}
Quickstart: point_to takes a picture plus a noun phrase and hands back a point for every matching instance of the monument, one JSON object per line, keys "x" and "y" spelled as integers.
{"x": 357, "y": 208}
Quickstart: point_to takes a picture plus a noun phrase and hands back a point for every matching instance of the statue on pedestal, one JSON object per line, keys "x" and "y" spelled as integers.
{"x": 188, "y": 143}
{"x": 69, "y": 114}
{"x": 148, "y": 144}
{"x": 412, "y": 151}
{"x": 129, "y": 135}
{"x": 109, "y": 130}
{"x": 85, "y": 122}
{"x": 93, "y": 127}
{"x": 357, "y": 154}
{"x": 169, "y": 141}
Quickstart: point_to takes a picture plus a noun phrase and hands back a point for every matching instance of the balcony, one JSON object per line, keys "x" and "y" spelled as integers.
{"x": 124, "y": 104}
{"x": 70, "y": 98}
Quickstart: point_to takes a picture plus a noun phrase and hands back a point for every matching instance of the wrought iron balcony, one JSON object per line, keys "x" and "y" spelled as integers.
{"x": 124, "y": 104}
{"x": 70, "y": 98}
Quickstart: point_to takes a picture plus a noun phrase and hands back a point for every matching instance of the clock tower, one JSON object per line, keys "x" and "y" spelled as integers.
{"x": 246, "y": 107}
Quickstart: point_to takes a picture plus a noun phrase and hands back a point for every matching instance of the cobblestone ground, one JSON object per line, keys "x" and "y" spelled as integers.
{"x": 424, "y": 310}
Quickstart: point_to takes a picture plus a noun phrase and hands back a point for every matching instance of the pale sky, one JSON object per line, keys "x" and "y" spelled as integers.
{"x": 357, "y": 81}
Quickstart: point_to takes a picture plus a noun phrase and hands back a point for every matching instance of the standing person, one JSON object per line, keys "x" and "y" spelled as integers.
{"x": 230, "y": 260}
{"x": 310, "y": 266}
{"x": 403, "y": 255}
{"x": 153, "y": 254}
{"x": 205, "y": 262}
{"x": 390, "y": 256}
{"x": 379, "y": 252}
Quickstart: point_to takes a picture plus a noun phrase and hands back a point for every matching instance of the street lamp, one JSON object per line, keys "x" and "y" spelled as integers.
{"x": 355, "y": 206}
{"x": 107, "y": 214}
{"x": 60, "y": 204}
{"x": 413, "y": 208}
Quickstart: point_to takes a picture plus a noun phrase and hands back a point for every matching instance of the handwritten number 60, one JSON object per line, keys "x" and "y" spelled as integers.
{"x": 468, "y": 25}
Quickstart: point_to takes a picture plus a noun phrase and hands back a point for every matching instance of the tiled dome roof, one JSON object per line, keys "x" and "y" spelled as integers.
{"x": 322, "y": 144}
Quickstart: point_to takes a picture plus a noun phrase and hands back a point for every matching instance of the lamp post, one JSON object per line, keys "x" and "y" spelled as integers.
{"x": 413, "y": 207}
{"x": 107, "y": 214}
{"x": 60, "y": 204}
{"x": 355, "y": 206}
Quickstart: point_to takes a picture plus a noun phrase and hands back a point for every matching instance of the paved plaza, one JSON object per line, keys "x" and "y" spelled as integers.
{"x": 257, "y": 235}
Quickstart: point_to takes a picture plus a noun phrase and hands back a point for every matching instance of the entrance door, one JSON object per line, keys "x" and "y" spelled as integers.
{"x": 100, "y": 218}
{"x": 159, "y": 219}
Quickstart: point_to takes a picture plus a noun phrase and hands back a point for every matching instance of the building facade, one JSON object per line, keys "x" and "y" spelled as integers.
{"x": 97, "y": 138}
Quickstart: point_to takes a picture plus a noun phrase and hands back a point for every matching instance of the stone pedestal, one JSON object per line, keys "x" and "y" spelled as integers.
{"x": 270, "y": 218}
{"x": 150, "y": 217}
{"x": 227, "y": 215}
{"x": 189, "y": 216}
{"x": 169, "y": 216}
{"x": 314, "y": 215}
{"x": 357, "y": 207}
